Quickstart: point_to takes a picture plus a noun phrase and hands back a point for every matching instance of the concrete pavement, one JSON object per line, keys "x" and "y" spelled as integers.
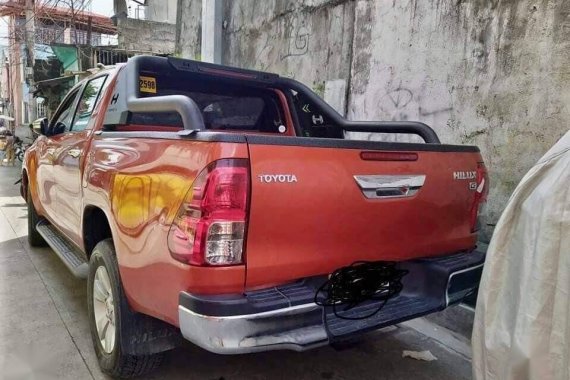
{"x": 44, "y": 331}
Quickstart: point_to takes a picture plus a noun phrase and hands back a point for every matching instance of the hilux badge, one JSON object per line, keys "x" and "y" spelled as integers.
{"x": 464, "y": 175}
{"x": 282, "y": 178}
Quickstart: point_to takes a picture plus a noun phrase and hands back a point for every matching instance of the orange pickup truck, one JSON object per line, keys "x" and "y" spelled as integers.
{"x": 221, "y": 205}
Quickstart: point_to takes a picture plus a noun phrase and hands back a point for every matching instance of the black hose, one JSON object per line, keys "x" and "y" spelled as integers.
{"x": 362, "y": 281}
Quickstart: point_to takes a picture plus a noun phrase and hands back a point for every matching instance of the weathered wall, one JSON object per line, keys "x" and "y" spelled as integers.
{"x": 490, "y": 73}
{"x": 144, "y": 35}
{"x": 307, "y": 40}
{"x": 494, "y": 73}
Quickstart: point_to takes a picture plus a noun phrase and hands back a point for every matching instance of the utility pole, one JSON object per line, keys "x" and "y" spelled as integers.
{"x": 178, "y": 34}
{"x": 30, "y": 47}
{"x": 212, "y": 31}
{"x": 89, "y": 47}
{"x": 89, "y": 30}
{"x": 10, "y": 95}
{"x": 72, "y": 6}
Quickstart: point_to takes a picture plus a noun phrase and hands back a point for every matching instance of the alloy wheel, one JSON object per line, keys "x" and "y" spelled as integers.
{"x": 104, "y": 309}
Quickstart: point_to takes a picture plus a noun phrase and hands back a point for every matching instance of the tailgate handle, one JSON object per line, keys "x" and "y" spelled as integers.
{"x": 389, "y": 186}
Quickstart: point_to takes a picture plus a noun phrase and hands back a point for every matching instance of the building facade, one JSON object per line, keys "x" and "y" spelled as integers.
{"x": 57, "y": 32}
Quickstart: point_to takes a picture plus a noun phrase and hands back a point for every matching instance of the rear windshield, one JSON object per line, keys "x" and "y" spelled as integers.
{"x": 224, "y": 106}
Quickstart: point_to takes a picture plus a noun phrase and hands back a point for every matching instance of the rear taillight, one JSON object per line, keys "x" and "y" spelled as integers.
{"x": 480, "y": 197}
{"x": 209, "y": 228}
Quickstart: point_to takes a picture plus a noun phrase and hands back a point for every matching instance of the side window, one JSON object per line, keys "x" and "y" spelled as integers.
{"x": 87, "y": 103}
{"x": 253, "y": 110}
{"x": 233, "y": 113}
{"x": 62, "y": 121}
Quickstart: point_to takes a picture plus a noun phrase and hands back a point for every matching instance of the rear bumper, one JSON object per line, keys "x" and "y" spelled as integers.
{"x": 285, "y": 317}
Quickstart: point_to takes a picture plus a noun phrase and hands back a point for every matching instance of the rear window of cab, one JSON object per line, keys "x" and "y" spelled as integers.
{"x": 224, "y": 107}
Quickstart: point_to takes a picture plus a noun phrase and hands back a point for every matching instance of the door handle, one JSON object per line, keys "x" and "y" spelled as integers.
{"x": 74, "y": 153}
{"x": 389, "y": 186}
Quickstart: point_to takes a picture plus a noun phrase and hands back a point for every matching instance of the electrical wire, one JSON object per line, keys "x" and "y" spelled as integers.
{"x": 362, "y": 281}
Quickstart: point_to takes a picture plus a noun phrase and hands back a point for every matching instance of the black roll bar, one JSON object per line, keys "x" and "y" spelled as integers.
{"x": 192, "y": 116}
{"x": 183, "y": 105}
{"x": 407, "y": 127}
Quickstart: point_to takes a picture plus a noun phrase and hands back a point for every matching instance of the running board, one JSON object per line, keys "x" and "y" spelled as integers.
{"x": 72, "y": 257}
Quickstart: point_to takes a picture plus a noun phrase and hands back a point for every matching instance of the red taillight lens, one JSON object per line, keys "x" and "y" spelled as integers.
{"x": 480, "y": 197}
{"x": 209, "y": 228}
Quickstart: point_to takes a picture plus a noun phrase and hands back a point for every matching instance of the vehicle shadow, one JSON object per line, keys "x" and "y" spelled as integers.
{"x": 14, "y": 205}
{"x": 376, "y": 356}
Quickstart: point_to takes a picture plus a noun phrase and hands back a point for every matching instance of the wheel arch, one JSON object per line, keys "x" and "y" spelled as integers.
{"x": 146, "y": 334}
{"x": 96, "y": 227}
{"x": 29, "y": 177}
{"x": 24, "y": 185}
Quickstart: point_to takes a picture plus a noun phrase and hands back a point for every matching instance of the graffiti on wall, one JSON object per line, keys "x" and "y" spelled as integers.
{"x": 262, "y": 58}
{"x": 401, "y": 103}
{"x": 299, "y": 38}
{"x": 271, "y": 50}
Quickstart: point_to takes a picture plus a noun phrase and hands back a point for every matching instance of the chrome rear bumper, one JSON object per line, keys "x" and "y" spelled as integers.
{"x": 254, "y": 332}
{"x": 286, "y": 318}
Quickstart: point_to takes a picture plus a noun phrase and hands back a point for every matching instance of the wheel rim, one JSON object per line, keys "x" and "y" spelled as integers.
{"x": 104, "y": 309}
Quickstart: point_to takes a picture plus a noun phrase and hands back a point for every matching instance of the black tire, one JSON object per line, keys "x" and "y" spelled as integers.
{"x": 34, "y": 238}
{"x": 116, "y": 363}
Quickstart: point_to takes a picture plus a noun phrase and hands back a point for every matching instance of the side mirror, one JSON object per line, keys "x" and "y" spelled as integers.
{"x": 57, "y": 129}
{"x": 43, "y": 126}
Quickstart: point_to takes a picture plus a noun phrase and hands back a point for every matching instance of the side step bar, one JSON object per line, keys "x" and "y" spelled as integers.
{"x": 72, "y": 257}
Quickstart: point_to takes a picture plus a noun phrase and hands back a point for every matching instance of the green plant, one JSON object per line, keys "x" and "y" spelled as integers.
{"x": 319, "y": 88}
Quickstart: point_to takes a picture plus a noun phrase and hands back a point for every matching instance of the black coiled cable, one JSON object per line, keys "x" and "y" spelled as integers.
{"x": 362, "y": 281}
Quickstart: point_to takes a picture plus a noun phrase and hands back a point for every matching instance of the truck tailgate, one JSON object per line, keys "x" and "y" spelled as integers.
{"x": 317, "y": 205}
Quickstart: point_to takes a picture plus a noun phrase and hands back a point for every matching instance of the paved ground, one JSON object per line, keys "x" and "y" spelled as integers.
{"x": 44, "y": 331}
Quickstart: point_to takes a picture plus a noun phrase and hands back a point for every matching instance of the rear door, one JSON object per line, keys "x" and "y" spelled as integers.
{"x": 320, "y": 204}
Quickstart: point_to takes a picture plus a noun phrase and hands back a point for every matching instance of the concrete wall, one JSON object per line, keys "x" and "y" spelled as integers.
{"x": 307, "y": 40}
{"x": 489, "y": 73}
{"x": 485, "y": 72}
{"x": 147, "y": 36}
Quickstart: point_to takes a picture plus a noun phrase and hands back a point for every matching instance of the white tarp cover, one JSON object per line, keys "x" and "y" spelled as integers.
{"x": 522, "y": 320}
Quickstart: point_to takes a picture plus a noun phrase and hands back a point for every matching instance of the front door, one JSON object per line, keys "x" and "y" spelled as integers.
{"x": 49, "y": 147}
{"x": 71, "y": 158}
